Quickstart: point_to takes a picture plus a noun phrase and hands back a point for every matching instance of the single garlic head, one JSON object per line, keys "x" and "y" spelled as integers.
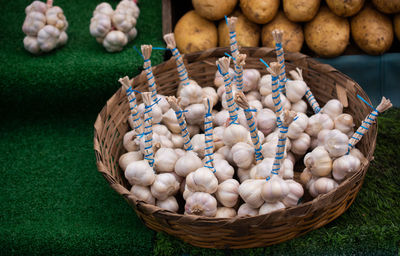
{"x": 301, "y": 144}
{"x": 202, "y": 204}
{"x": 245, "y": 210}
{"x": 251, "y": 77}
{"x": 344, "y": 166}
{"x": 127, "y": 158}
{"x": 333, "y": 108}
{"x": 223, "y": 170}
{"x": 274, "y": 189}
{"x": 221, "y": 118}
{"x": 268, "y": 102}
{"x": 115, "y": 41}
{"x": 161, "y": 130}
{"x": 100, "y": 25}
{"x": 199, "y": 144}
{"x": 211, "y": 94}
{"x": 36, "y": 6}
{"x": 225, "y": 212}
{"x": 295, "y": 90}
{"x": 194, "y": 114}
{"x": 235, "y": 133}
{"x": 55, "y": 17}
{"x": 123, "y": 21}
{"x": 263, "y": 169}
{"x": 140, "y": 173}
{"x": 218, "y": 134}
{"x": 48, "y": 38}
{"x": 31, "y": 44}
{"x": 322, "y": 186}
{"x": 319, "y": 162}
{"x": 34, "y": 22}
{"x": 169, "y": 119}
{"x": 169, "y": 204}
{"x": 271, "y": 207}
{"x": 143, "y": 193}
{"x": 318, "y": 122}
{"x": 344, "y": 123}
{"x": 190, "y": 94}
{"x": 103, "y": 8}
{"x": 297, "y": 127}
{"x": 226, "y": 152}
{"x": 202, "y": 180}
{"x": 165, "y": 185}
{"x": 187, "y": 164}
{"x": 228, "y": 192}
{"x": 296, "y": 191}
{"x": 177, "y": 140}
{"x": 257, "y": 105}
{"x": 286, "y": 171}
{"x": 266, "y": 121}
{"x": 253, "y": 95}
{"x": 130, "y": 142}
{"x": 243, "y": 155}
{"x": 322, "y": 136}
{"x": 165, "y": 159}
{"x": 130, "y": 7}
{"x": 336, "y": 143}
{"x": 299, "y": 107}
{"x": 265, "y": 85}
{"x": 250, "y": 192}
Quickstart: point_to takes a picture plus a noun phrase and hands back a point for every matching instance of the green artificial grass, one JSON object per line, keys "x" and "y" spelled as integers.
{"x": 53, "y": 200}
{"x": 80, "y": 75}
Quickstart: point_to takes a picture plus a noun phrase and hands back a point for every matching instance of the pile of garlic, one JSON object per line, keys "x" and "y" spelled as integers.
{"x": 114, "y": 29}
{"x": 44, "y": 26}
{"x": 230, "y": 150}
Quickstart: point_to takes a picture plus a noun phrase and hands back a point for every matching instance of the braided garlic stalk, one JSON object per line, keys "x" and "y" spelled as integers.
{"x": 171, "y": 44}
{"x": 146, "y": 51}
{"x": 277, "y": 35}
{"x": 137, "y": 122}
{"x": 238, "y": 61}
{"x": 148, "y": 128}
{"x": 208, "y": 132}
{"x": 276, "y": 96}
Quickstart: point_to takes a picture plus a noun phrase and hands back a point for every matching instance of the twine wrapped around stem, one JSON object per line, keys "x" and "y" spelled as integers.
{"x": 277, "y": 35}
{"x": 368, "y": 121}
{"x": 171, "y": 44}
{"x": 148, "y": 128}
{"x": 223, "y": 67}
{"x": 276, "y": 96}
{"x": 208, "y": 133}
{"x": 238, "y": 59}
{"x": 146, "y": 51}
{"x": 173, "y": 102}
{"x": 312, "y": 101}
{"x": 137, "y": 122}
{"x": 241, "y": 100}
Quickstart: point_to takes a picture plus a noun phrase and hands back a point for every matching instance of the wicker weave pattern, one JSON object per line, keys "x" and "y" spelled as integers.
{"x": 276, "y": 227}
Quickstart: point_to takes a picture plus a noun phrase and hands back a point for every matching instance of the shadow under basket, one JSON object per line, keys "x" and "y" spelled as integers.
{"x": 245, "y": 232}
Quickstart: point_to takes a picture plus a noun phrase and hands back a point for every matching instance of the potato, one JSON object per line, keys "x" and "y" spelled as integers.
{"x": 194, "y": 33}
{"x": 247, "y": 32}
{"x": 345, "y": 8}
{"x": 327, "y": 34}
{"x": 387, "y": 6}
{"x": 396, "y": 22}
{"x": 259, "y": 11}
{"x": 372, "y": 31}
{"x": 292, "y": 39}
{"x": 213, "y": 9}
{"x": 300, "y": 10}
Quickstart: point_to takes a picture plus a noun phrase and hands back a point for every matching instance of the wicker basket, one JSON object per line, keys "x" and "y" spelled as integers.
{"x": 245, "y": 232}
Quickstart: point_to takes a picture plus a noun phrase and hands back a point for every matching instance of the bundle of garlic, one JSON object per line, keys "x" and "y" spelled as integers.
{"x": 45, "y": 27}
{"x": 114, "y": 28}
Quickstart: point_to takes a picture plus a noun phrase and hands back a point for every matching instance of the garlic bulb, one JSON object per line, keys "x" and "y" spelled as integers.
{"x": 115, "y": 41}
{"x": 263, "y": 169}
{"x": 201, "y": 203}
{"x": 169, "y": 204}
{"x": 36, "y": 6}
{"x": 318, "y": 122}
{"x": 140, "y": 173}
{"x": 291, "y": 157}
{"x": 344, "y": 166}
{"x": 301, "y": 144}
{"x": 165, "y": 185}
{"x": 219, "y": 79}
{"x": 130, "y": 7}
{"x": 274, "y": 137}
{"x": 190, "y": 94}
{"x": 265, "y": 85}
{"x": 227, "y": 153}
{"x": 269, "y": 103}
{"x": 210, "y": 93}
{"x": 187, "y": 164}
{"x": 187, "y": 193}
{"x": 218, "y": 134}
{"x": 223, "y": 170}
{"x": 143, "y": 193}
{"x": 221, "y": 118}
{"x": 299, "y": 107}
{"x": 270, "y": 207}
{"x": 228, "y": 192}
{"x": 177, "y": 140}
{"x": 332, "y": 108}
{"x": 297, "y": 127}
{"x": 296, "y": 191}
{"x": 245, "y": 210}
{"x": 129, "y": 141}
{"x": 225, "y": 212}
{"x": 165, "y": 159}
{"x": 235, "y": 133}
{"x": 31, "y": 44}
{"x": 198, "y": 143}
{"x": 251, "y": 77}
{"x": 295, "y": 90}
{"x": 357, "y": 153}
{"x": 286, "y": 171}
{"x": 34, "y": 22}
{"x": 62, "y": 39}
{"x": 274, "y": 189}
{"x": 122, "y": 20}
{"x": 127, "y": 158}
{"x": 266, "y": 121}
{"x": 169, "y": 119}
{"x": 202, "y": 180}
{"x": 48, "y": 37}
{"x": 336, "y": 143}
{"x": 318, "y": 161}
{"x": 322, "y": 186}
{"x": 253, "y": 95}
{"x": 250, "y": 192}
{"x": 344, "y": 123}
{"x": 100, "y": 25}
{"x": 179, "y": 152}
{"x": 195, "y": 114}
{"x": 55, "y": 17}
{"x": 131, "y": 34}
{"x": 268, "y": 149}
{"x": 243, "y": 155}
{"x": 322, "y": 136}
{"x": 255, "y": 104}
{"x": 103, "y": 8}
{"x": 161, "y": 130}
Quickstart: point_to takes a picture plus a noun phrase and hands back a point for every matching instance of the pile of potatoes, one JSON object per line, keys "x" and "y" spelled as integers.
{"x": 325, "y": 26}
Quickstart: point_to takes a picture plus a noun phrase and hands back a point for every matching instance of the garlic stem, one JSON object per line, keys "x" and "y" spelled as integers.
{"x": 208, "y": 132}
{"x": 137, "y": 122}
{"x": 146, "y": 51}
{"x": 277, "y": 35}
{"x": 276, "y": 96}
{"x": 312, "y": 101}
{"x": 171, "y": 44}
{"x": 238, "y": 59}
{"x": 148, "y": 128}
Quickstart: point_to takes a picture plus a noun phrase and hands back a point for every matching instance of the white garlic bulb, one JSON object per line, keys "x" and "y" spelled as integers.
{"x": 245, "y": 210}
{"x": 225, "y": 212}
{"x": 199, "y": 144}
{"x": 169, "y": 119}
{"x": 36, "y": 6}
{"x": 235, "y": 133}
{"x": 165, "y": 159}
{"x": 140, "y": 173}
{"x": 263, "y": 169}
{"x": 177, "y": 140}
{"x": 34, "y": 22}
{"x": 211, "y": 94}
{"x": 253, "y": 95}
{"x": 291, "y": 157}
{"x": 187, "y": 193}
{"x": 244, "y": 174}
{"x": 131, "y": 34}
{"x": 55, "y": 17}
{"x": 143, "y": 193}
{"x": 301, "y": 144}
{"x": 265, "y": 85}
{"x": 169, "y": 204}
{"x": 31, "y": 44}
{"x": 268, "y": 102}
{"x": 179, "y": 152}
{"x": 296, "y": 191}
{"x": 190, "y": 94}
{"x": 344, "y": 123}
{"x": 322, "y": 136}
{"x": 268, "y": 149}
{"x": 218, "y": 134}
{"x": 62, "y": 39}
{"x": 104, "y": 8}
{"x": 243, "y": 155}
{"x": 274, "y": 189}
{"x": 318, "y": 161}
{"x": 161, "y": 130}
{"x": 227, "y": 153}
{"x": 322, "y": 186}
{"x": 194, "y": 114}
{"x": 202, "y": 180}
{"x": 129, "y": 6}
{"x": 251, "y": 77}
{"x": 201, "y": 203}
{"x": 187, "y": 164}
{"x": 250, "y": 192}
{"x": 164, "y": 185}
{"x": 295, "y": 90}
{"x": 271, "y": 207}
{"x": 266, "y": 121}
{"x": 129, "y": 141}
{"x": 300, "y": 106}
{"x": 221, "y": 118}
{"x": 286, "y": 171}
{"x": 219, "y": 79}
{"x": 100, "y": 25}
{"x": 333, "y": 108}
{"x": 318, "y": 122}
{"x": 228, "y": 192}
{"x": 123, "y": 21}
{"x": 127, "y": 158}
{"x": 223, "y": 170}
{"x": 336, "y": 143}
{"x": 344, "y": 166}
{"x": 115, "y": 41}
{"x": 357, "y": 153}
{"x": 297, "y": 127}
{"x": 48, "y": 37}
{"x": 257, "y": 105}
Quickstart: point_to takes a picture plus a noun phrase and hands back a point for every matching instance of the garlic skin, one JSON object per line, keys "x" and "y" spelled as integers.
{"x": 295, "y": 90}
{"x": 211, "y": 94}
{"x": 218, "y": 134}
{"x": 344, "y": 166}
{"x": 221, "y": 118}
{"x": 243, "y": 155}
{"x": 143, "y": 193}
{"x": 165, "y": 159}
{"x": 243, "y": 174}
{"x": 188, "y": 163}
{"x": 31, "y": 44}
{"x": 202, "y": 204}
{"x": 55, "y": 17}
{"x": 322, "y": 136}
{"x": 129, "y": 141}
{"x": 251, "y": 77}
{"x": 253, "y": 95}
{"x": 131, "y": 34}
{"x": 223, "y": 170}
{"x": 36, "y": 6}
{"x": 268, "y": 102}
{"x": 319, "y": 162}
{"x": 257, "y": 105}
{"x": 190, "y": 94}
{"x": 219, "y": 79}
{"x": 115, "y": 41}
{"x": 225, "y": 212}
{"x": 291, "y": 158}
{"x": 296, "y": 191}
{"x": 100, "y": 25}
{"x": 226, "y": 152}
{"x": 301, "y": 144}
{"x": 199, "y": 144}
{"x": 169, "y": 204}
{"x": 164, "y": 185}
{"x": 318, "y": 122}
{"x": 336, "y": 143}
{"x": 48, "y": 37}
{"x": 322, "y": 186}
{"x": 286, "y": 171}
{"x": 266, "y": 121}
{"x": 270, "y": 207}
{"x": 127, "y": 158}
{"x": 332, "y": 108}
{"x": 202, "y": 180}
{"x": 161, "y": 130}
{"x": 228, "y": 193}
{"x": 195, "y": 114}
{"x": 130, "y": 7}
{"x": 169, "y": 119}
{"x": 140, "y": 173}
{"x": 33, "y": 23}
{"x": 274, "y": 189}
{"x": 187, "y": 193}
{"x": 122, "y": 20}
{"x": 344, "y": 123}
{"x": 262, "y": 170}
{"x": 103, "y": 8}
{"x": 300, "y": 106}
{"x": 250, "y": 192}
{"x": 62, "y": 39}
{"x": 245, "y": 210}
{"x": 265, "y": 85}
{"x": 235, "y": 133}
{"x": 179, "y": 152}
{"x": 177, "y": 140}
{"x": 297, "y": 127}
